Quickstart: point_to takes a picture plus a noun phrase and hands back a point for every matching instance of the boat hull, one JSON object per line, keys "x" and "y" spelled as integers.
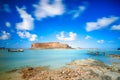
{"x": 15, "y": 50}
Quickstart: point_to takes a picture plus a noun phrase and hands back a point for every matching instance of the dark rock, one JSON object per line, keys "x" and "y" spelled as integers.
{"x": 14, "y": 70}
{"x": 118, "y": 78}
{"x": 106, "y": 78}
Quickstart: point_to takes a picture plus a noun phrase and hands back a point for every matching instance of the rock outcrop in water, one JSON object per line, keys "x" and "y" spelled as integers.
{"x": 114, "y": 56}
{"x": 77, "y": 70}
{"x": 50, "y": 45}
{"x": 88, "y": 69}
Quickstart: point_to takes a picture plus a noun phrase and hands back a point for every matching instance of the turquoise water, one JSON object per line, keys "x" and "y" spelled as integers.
{"x": 49, "y": 57}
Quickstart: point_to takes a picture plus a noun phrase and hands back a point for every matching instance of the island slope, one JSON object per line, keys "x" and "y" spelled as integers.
{"x": 50, "y": 45}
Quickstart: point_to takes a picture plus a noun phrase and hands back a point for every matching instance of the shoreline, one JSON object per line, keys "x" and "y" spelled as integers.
{"x": 88, "y": 69}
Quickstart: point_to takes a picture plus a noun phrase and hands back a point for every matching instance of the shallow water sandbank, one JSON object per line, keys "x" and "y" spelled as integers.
{"x": 88, "y": 69}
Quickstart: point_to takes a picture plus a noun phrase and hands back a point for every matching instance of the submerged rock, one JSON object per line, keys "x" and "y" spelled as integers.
{"x": 114, "y": 56}
{"x": 88, "y": 62}
{"x": 14, "y": 70}
{"x": 30, "y": 72}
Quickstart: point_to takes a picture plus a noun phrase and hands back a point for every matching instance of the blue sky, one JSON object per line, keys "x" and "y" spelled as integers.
{"x": 79, "y": 23}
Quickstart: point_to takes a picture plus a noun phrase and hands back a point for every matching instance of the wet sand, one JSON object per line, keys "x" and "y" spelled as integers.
{"x": 11, "y": 76}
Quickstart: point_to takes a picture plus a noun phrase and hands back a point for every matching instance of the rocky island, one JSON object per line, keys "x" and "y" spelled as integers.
{"x": 50, "y": 45}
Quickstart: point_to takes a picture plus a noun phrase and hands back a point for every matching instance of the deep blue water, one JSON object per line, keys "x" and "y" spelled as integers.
{"x": 49, "y": 57}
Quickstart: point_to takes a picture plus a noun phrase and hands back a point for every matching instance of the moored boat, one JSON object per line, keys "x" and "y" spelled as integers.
{"x": 15, "y": 50}
{"x": 118, "y": 49}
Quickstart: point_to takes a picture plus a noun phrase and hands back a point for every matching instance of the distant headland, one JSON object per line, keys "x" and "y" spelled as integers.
{"x": 50, "y": 45}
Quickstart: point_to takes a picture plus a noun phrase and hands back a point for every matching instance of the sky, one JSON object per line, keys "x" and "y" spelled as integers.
{"x": 79, "y": 23}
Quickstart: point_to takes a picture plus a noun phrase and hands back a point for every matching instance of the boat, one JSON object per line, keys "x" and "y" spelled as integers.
{"x": 118, "y": 49}
{"x": 15, "y": 50}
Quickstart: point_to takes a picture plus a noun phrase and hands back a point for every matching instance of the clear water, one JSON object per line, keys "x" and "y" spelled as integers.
{"x": 49, "y": 57}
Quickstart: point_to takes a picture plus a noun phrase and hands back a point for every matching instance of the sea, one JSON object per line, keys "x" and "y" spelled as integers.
{"x": 53, "y": 58}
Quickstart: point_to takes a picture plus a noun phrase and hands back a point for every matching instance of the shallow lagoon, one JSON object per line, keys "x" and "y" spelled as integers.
{"x": 54, "y": 58}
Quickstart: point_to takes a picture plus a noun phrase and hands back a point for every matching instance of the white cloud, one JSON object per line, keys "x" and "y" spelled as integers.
{"x": 45, "y": 9}
{"x": 79, "y": 11}
{"x": 7, "y": 8}
{"x": 100, "y": 41}
{"x": 88, "y": 37}
{"x": 5, "y": 35}
{"x": 101, "y": 23}
{"x": 25, "y": 34}
{"x": 115, "y": 27}
{"x": 7, "y": 24}
{"x": 21, "y": 34}
{"x": 28, "y": 21}
{"x": 33, "y": 37}
{"x": 72, "y": 36}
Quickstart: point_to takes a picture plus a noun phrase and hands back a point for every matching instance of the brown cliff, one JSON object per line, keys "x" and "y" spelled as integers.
{"x": 50, "y": 45}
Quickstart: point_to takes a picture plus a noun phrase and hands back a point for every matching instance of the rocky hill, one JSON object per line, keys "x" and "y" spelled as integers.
{"x": 50, "y": 45}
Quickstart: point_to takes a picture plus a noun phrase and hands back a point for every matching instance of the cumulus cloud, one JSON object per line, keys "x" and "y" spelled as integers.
{"x": 5, "y": 35}
{"x": 7, "y": 24}
{"x": 115, "y": 27}
{"x": 78, "y": 12}
{"x": 21, "y": 34}
{"x": 44, "y": 9}
{"x": 26, "y": 24}
{"x": 88, "y": 37}
{"x": 25, "y": 34}
{"x": 101, "y": 23}
{"x": 100, "y": 41}
{"x": 61, "y": 36}
{"x": 27, "y": 20}
{"x": 33, "y": 37}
